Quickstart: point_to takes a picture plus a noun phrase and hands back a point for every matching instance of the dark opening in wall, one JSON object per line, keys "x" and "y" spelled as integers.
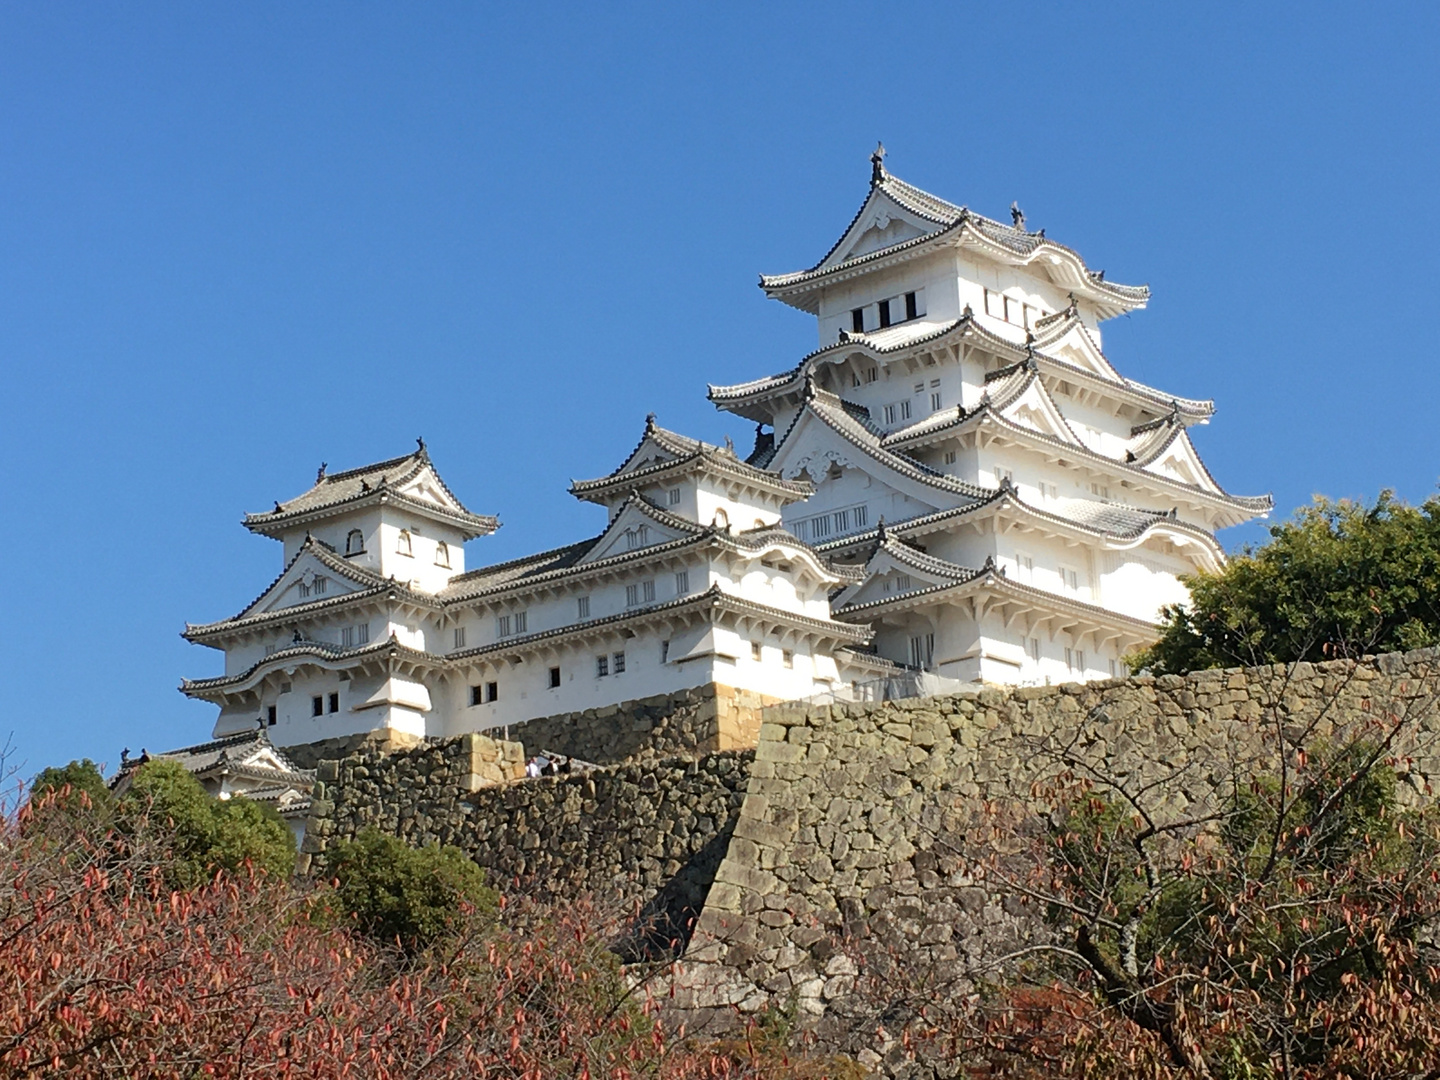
{"x": 554, "y": 677}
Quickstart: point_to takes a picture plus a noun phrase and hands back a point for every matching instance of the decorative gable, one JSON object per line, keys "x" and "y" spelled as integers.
{"x": 307, "y": 580}
{"x": 881, "y": 223}
{"x": 1180, "y": 461}
{"x": 1035, "y": 409}
{"x": 889, "y": 574}
{"x": 426, "y": 487}
{"x": 638, "y": 525}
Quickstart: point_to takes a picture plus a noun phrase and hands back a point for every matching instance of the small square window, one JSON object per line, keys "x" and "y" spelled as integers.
{"x": 602, "y": 666}
{"x": 554, "y": 677}
{"x": 582, "y": 607}
{"x": 270, "y": 716}
{"x": 949, "y": 457}
{"x": 756, "y": 650}
{"x": 492, "y": 691}
{"x": 317, "y": 706}
{"x": 334, "y": 702}
{"x": 619, "y": 663}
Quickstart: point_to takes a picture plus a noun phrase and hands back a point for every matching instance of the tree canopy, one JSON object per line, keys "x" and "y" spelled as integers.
{"x": 1338, "y": 579}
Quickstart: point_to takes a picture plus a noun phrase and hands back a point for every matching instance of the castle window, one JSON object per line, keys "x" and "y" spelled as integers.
{"x": 362, "y": 633}
{"x": 320, "y": 586}
{"x": 355, "y": 543}
{"x": 721, "y": 519}
{"x": 922, "y": 650}
{"x": 949, "y": 457}
{"x": 664, "y": 652}
{"x": 1075, "y": 661}
{"x": 477, "y": 695}
{"x": 492, "y": 691}
{"x": 442, "y": 554}
{"x": 582, "y": 607}
{"x": 912, "y": 306}
{"x": 1001, "y": 475}
{"x": 459, "y": 637}
{"x": 673, "y": 496}
{"x": 522, "y": 620}
{"x": 884, "y": 306}
{"x": 872, "y": 374}
{"x": 934, "y": 400}
{"x": 756, "y": 650}
{"x": 554, "y": 678}
{"x": 270, "y": 716}
{"x": 304, "y": 588}
{"x": 1069, "y": 579}
{"x": 787, "y": 658}
{"x": 618, "y": 663}
{"x": 682, "y": 582}
{"x": 857, "y": 320}
{"x": 632, "y": 595}
{"x": 317, "y": 706}
{"x": 602, "y": 666}
{"x": 402, "y": 545}
{"x": 503, "y": 624}
{"x": 1035, "y": 649}
{"x": 334, "y": 702}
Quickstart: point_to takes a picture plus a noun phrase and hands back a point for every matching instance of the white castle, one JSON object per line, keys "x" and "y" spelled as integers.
{"x": 956, "y": 482}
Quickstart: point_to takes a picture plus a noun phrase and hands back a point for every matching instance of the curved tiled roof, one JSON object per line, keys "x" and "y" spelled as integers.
{"x": 689, "y": 452}
{"x": 323, "y": 650}
{"x": 950, "y": 219}
{"x": 355, "y": 487}
{"x": 371, "y": 585}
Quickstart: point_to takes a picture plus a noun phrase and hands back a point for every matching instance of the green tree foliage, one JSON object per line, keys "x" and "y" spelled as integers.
{"x": 395, "y": 893}
{"x": 75, "y": 788}
{"x": 200, "y": 834}
{"x": 1338, "y": 579}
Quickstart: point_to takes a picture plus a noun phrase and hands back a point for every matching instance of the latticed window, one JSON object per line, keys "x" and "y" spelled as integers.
{"x": 402, "y": 543}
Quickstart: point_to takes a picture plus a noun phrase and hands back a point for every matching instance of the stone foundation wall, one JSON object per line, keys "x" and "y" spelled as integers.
{"x": 856, "y": 819}
{"x": 647, "y": 831}
{"x": 697, "y": 721}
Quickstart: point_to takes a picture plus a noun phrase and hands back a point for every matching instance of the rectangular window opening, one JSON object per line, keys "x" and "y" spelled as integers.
{"x": 317, "y": 706}
{"x": 673, "y": 496}
{"x": 602, "y": 666}
{"x": 492, "y": 691}
{"x": 857, "y": 320}
{"x": 787, "y": 658}
{"x": 582, "y": 607}
{"x": 334, "y": 702}
{"x": 664, "y": 652}
{"x": 270, "y": 716}
{"x": 459, "y": 637}
{"x": 618, "y": 663}
{"x": 756, "y": 651}
{"x": 912, "y": 307}
{"x": 682, "y": 582}
{"x": 477, "y": 695}
{"x": 554, "y": 678}
{"x": 884, "y": 314}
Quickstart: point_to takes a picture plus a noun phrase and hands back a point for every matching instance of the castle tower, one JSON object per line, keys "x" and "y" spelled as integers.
{"x": 1039, "y": 507}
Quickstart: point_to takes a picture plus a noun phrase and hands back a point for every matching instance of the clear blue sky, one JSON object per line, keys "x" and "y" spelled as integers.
{"x": 237, "y": 240}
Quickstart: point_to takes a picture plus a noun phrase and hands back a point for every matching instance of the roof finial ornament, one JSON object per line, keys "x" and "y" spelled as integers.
{"x": 1074, "y": 308}
{"x": 809, "y": 390}
{"x": 278, "y": 507}
{"x": 969, "y": 311}
{"x": 125, "y": 756}
{"x": 320, "y": 473}
{"x": 364, "y": 484}
{"x": 420, "y": 445}
{"x": 729, "y": 446}
{"x": 877, "y": 164}
{"x": 881, "y": 534}
{"x": 649, "y": 421}
{"x": 1017, "y": 216}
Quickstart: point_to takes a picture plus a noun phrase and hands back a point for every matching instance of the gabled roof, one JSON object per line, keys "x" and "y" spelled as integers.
{"x": 249, "y": 753}
{"x": 1120, "y": 526}
{"x": 409, "y": 481}
{"x": 322, "y": 652}
{"x": 940, "y": 222}
{"x": 742, "y": 398}
{"x": 639, "y": 512}
{"x": 992, "y": 579}
{"x": 368, "y": 586}
{"x": 852, "y": 422}
{"x": 661, "y": 454}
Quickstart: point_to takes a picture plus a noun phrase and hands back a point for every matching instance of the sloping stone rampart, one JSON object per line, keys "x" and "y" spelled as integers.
{"x": 647, "y": 831}
{"x": 857, "y": 820}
